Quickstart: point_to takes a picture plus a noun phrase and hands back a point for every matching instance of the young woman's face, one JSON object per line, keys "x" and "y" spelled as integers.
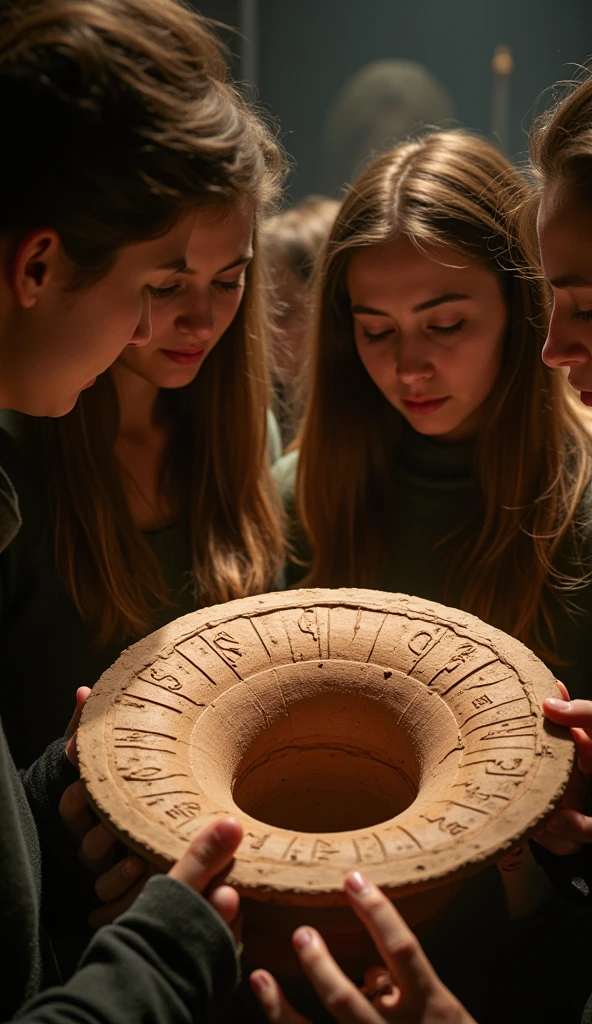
{"x": 54, "y": 347}
{"x": 565, "y": 233}
{"x": 198, "y": 305}
{"x": 430, "y": 331}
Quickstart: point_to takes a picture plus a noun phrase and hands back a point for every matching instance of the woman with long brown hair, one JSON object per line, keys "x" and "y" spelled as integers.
{"x": 152, "y": 497}
{"x": 440, "y": 457}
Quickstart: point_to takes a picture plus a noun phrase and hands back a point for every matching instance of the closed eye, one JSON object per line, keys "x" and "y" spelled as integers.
{"x": 448, "y": 330}
{"x": 162, "y": 293}
{"x": 230, "y": 286}
{"x": 378, "y": 337}
{"x": 582, "y": 314}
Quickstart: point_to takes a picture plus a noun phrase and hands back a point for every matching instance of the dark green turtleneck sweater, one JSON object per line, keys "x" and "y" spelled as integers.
{"x": 434, "y": 490}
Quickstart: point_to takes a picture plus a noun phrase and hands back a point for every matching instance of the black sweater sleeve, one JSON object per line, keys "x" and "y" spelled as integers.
{"x": 170, "y": 958}
{"x": 570, "y": 876}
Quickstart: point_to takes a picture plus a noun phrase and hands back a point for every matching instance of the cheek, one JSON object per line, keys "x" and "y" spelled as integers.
{"x": 115, "y": 318}
{"x": 226, "y": 309}
{"x": 379, "y": 364}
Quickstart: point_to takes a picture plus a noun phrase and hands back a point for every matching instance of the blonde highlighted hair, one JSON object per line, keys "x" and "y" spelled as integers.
{"x": 533, "y": 455}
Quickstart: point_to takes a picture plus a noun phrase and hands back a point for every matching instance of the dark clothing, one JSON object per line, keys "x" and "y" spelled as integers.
{"x": 170, "y": 958}
{"x": 39, "y": 617}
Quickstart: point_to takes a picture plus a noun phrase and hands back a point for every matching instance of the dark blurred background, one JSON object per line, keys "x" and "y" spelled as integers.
{"x": 300, "y": 54}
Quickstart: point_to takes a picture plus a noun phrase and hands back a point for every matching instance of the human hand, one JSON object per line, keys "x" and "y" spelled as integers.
{"x": 119, "y": 879}
{"x": 569, "y": 827}
{"x": 71, "y": 752}
{"x": 203, "y": 864}
{"x": 405, "y": 990}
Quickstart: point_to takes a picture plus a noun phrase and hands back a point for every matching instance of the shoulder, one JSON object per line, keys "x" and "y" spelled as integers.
{"x": 284, "y": 473}
{"x": 19, "y": 441}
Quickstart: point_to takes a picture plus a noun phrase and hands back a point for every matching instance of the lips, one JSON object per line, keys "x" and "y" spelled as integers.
{"x": 184, "y": 356}
{"x": 423, "y": 405}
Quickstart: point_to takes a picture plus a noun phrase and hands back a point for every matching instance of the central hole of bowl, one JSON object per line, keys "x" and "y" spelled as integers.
{"x": 315, "y": 784}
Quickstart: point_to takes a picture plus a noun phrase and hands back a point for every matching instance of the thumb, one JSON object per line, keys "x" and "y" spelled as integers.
{"x": 209, "y": 852}
{"x": 71, "y": 751}
{"x": 81, "y": 694}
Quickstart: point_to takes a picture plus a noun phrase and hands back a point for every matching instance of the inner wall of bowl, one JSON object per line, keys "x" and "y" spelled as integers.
{"x": 323, "y": 747}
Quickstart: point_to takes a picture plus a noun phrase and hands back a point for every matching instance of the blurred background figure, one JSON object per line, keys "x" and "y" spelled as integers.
{"x": 477, "y": 64}
{"x": 292, "y": 241}
{"x": 383, "y": 103}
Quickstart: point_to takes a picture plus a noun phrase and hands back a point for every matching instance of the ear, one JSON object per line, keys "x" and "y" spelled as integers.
{"x": 34, "y": 264}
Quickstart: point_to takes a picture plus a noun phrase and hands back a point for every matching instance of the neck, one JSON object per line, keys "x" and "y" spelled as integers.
{"x": 137, "y": 402}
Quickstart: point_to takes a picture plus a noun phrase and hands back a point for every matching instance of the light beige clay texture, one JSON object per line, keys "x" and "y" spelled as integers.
{"x": 346, "y": 730}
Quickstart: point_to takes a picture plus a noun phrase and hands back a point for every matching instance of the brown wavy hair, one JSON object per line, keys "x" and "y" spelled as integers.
{"x": 117, "y": 118}
{"x": 560, "y": 150}
{"x": 533, "y": 454}
{"x": 215, "y": 470}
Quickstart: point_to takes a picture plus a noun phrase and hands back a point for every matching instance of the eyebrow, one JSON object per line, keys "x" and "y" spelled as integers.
{"x": 570, "y": 281}
{"x": 178, "y": 263}
{"x": 245, "y": 258}
{"x": 429, "y": 304}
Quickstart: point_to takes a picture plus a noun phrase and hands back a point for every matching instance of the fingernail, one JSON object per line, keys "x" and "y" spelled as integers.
{"x": 225, "y": 832}
{"x": 356, "y": 883}
{"x": 259, "y": 984}
{"x": 132, "y": 868}
{"x": 557, "y": 704}
{"x": 302, "y": 937}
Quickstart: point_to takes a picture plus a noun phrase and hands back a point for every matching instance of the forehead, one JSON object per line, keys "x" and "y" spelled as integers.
{"x": 564, "y": 226}
{"x": 220, "y": 229}
{"x": 398, "y": 268}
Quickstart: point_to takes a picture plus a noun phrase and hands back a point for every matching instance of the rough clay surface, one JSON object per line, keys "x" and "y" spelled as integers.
{"x": 429, "y": 720}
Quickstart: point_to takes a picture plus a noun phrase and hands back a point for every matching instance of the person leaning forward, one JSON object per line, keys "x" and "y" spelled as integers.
{"x": 117, "y": 123}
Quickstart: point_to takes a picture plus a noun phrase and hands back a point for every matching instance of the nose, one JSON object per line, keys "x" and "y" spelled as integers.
{"x": 198, "y": 320}
{"x": 412, "y": 362}
{"x": 561, "y": 348}
{"x": 143, "y": 331}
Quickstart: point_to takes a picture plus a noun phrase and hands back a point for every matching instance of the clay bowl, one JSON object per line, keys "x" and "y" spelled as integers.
{"x": 345, "y": 729}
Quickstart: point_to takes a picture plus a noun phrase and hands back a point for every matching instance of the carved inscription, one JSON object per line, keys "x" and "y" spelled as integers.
{"x": 419, "y": 704}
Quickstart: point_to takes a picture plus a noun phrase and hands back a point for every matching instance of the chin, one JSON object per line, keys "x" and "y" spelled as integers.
{"x": 60, "y": 407}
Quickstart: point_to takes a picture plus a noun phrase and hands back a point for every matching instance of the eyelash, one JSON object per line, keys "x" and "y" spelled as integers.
{"x": 583, "y": 314}
{"x": 450, "y": 330}
{"x": 441, "y": 330}
{"x": 162, "y": 293}
{"x": 165, "y": 293}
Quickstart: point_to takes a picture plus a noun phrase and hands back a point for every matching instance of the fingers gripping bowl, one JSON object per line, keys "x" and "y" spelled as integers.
{"x": 346, "y": 729}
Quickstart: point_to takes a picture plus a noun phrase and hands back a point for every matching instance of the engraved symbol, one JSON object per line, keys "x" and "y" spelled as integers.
{"x": 170, "y": 682}
{"x": 452, "y": 828}
{"x": 229, "y": 646}
{"x": 474, "y": 792}
{"x": 358, "y": 621}
{"x": 463, "y": 652}
{"x": 307, "y": 623}
{"x": 419, "y": 642}
{"x": 509, "y": 766}
{"x": 322, "y": 850}
{"x": 186, "y": 810}
{"x": 481, "y": 701}
{"x": 256, "y": 841}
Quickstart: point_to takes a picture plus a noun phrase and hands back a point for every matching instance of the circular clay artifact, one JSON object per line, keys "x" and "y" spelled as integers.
{"x": 345, "y": 729}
